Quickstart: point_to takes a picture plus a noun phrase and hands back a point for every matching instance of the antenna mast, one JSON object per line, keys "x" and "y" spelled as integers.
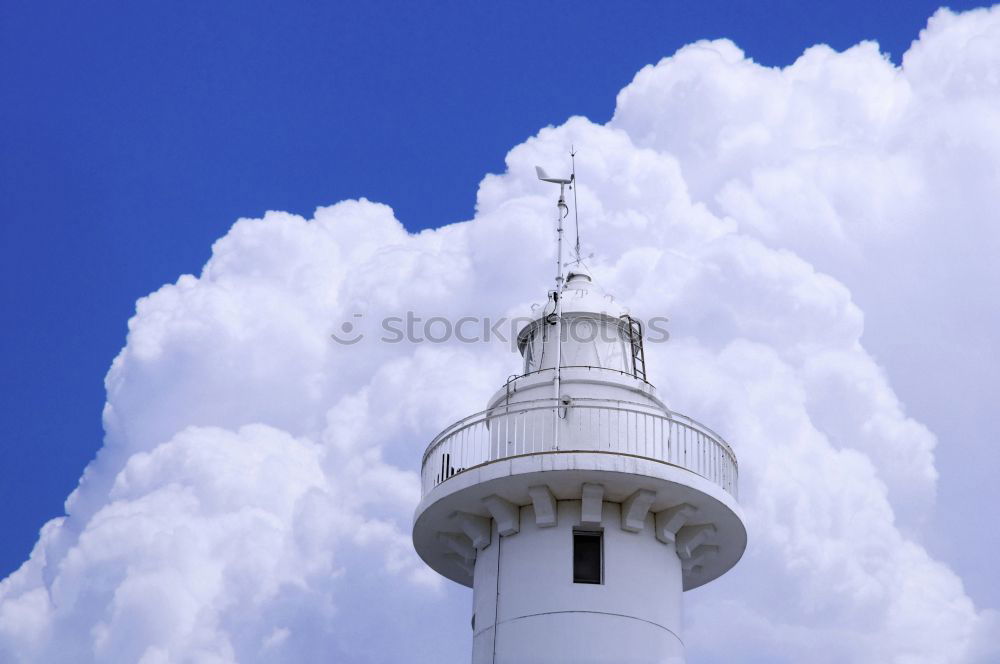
{"x": 576, "y": 208}
{"x": 562, "y": 211}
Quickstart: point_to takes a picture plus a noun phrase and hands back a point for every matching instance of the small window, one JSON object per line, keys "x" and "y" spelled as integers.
{"x": 529, "y": 354}
{"x": 534, "y": 349}
{"x": 587, "y": 564}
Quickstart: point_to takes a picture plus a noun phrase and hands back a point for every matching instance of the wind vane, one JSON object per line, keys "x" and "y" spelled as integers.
{"x": 563, "y": 211}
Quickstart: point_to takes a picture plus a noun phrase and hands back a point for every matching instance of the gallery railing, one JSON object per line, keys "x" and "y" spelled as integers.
{"x": 585, "y": 425}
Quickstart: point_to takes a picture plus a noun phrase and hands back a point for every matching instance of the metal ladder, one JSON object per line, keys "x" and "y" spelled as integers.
{"x": 635, "y": 340}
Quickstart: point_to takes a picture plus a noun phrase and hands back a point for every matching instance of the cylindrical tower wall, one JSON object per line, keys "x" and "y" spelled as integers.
{"x": 528, "y": 608}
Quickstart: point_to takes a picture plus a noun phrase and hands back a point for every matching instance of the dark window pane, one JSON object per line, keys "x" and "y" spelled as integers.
{"x": 586, "y": 557}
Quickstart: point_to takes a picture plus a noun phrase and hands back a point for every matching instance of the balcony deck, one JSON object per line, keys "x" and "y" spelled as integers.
{"x": 584, "y": 425}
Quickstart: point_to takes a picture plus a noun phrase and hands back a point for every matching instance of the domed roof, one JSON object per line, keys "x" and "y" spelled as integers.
{"x": 582, "y": 295}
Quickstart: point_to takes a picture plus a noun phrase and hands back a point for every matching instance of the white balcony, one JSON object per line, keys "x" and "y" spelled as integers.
{"x": 584, "y": 425}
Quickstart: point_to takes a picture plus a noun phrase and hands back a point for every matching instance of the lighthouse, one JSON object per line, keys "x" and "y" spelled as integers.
{"x": 578, "y": 506}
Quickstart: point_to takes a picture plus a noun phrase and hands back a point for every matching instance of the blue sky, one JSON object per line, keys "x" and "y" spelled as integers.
{"x": 134, "y": 134}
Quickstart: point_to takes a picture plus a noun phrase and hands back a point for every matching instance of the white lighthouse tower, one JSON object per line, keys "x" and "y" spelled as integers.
{"x": 578, "y": 506}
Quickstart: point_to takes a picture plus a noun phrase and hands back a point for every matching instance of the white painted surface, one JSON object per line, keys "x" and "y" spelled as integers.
{"x": 584, "y": 424}
{"x": 579, "y": 383}
{"x": 540, "y": 615}
{"x": 594, "y": 333}
{"x": 603, "y": 450}
{"x": 564, "y": 474}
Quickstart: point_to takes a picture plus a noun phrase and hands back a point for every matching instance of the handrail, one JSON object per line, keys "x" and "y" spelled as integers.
{"x": 630, "y": 374}
{"x": 586, "y": 424}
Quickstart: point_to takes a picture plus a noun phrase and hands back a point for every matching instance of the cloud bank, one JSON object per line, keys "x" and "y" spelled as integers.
{"x": 252, "y": 499}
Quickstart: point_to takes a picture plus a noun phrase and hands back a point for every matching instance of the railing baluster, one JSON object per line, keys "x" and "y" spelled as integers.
{"x": 657, "y": 452}
{"x": 602, "y": 430}
{"x": 534, "y": 432}
{"x": 671, "y": 441}
{"x": 524, "y": 429}
{"x": 701, "y": 455}
{"x": 618, "y": 429}
{"x": 628, "y": 432}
